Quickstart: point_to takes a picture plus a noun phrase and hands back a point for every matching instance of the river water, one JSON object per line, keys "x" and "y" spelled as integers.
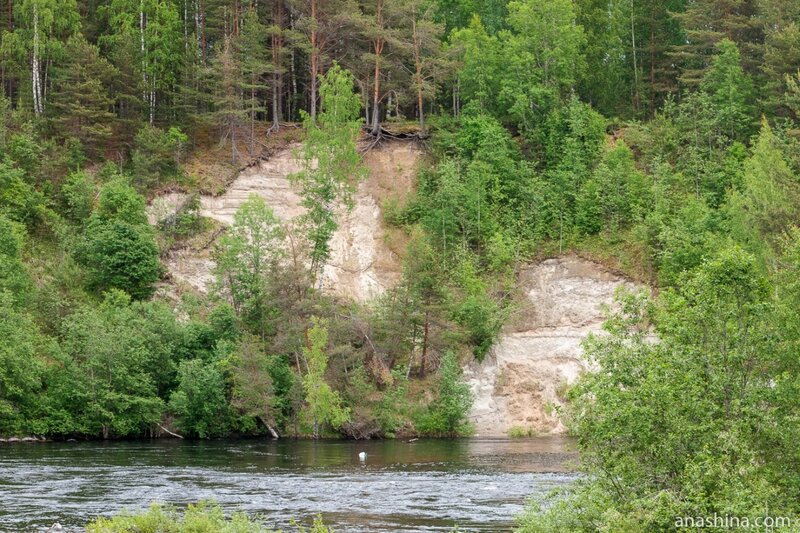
{"x": 423, "y": 485}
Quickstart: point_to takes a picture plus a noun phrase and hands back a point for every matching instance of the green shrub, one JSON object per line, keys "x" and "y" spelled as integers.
{"x": 516, "y": 432}
{"x": 203, "y": 517}
{"x": 199, "y": 401}
{"x": 447, "y": 414}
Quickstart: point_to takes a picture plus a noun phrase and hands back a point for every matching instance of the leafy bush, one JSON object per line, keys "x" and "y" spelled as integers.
{"x": 199, "y": 402}
{"x": 119, "y": 248}
{"x": 77, "y": 196}
{"x": 121, "y": 256}
{"x": 446, "y": 415}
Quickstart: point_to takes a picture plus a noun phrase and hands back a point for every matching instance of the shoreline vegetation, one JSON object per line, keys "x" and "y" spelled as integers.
{"x": 661, "y": 137}
{"x": 202, "y": 517}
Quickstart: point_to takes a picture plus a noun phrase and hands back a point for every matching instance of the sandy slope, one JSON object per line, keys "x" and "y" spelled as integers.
{"x": 519, "y": 382}
{"x": 362, "y": 263}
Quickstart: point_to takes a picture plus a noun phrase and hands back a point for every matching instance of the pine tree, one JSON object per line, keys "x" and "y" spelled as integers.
{"x": 155, "y": 28}
{"x": 278, "y": 51}
{"x": 80, "y": 103}
{"x": 254, "y": 64}
{"x": 706, "y": 23}
{"x": 382, "y": 29}
{"x": 322, "y": 22}
{"x": 229, "y": 113}
{"x": 781, "y": 22}
{"x": 426, "y": 47}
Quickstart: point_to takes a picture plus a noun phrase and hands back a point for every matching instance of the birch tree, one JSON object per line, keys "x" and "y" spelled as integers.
{"x": 331, "y": 162}
{"x": 42, "y": 29}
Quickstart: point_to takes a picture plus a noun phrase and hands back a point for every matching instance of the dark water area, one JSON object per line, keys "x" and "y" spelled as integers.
{"x": 424, "y": 485}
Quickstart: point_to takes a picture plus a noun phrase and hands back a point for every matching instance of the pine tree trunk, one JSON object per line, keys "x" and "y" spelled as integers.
{"x": 636, "y": 100}
{"x": 277, "y": 44}
{"x": 376, "y": 92}
{"x": 377, "y": 46}
{"x": 293, "y": 67}
{"x": 253, "y": 117}
{"x": 313, "y": 63}
{"x": 418, "y": 68}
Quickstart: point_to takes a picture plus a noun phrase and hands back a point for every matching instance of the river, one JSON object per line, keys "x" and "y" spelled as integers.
{"x": 423, "y": 485}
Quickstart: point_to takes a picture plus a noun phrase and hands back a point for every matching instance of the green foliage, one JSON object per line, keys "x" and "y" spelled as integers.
{"x": 13, "y": 277}
{"x": 156, "y": 156}
{"x": 22, "y": 364}
{"x": 114, "y": 354}
{"x": 394, "y": 408}
{"x": 479, "y": 75}
{"x": 77, "y": 196}
{"x": 324, "y": 405}
{"x": 254, "y": 392}
{"x": 81, "y": 107}
{"x": 518, "y": 432}
{"x": 615, "y": 196}
{"x": 701, "y": 389}
{"x": 522, "y": 74}
{"x": 480, "y": 315}
{"x": 119, "y": 249}
{"x": 447, "y": 413}
{"x": 18, "y": 199}
{"x": 118, "y": 201}
{"x": 202, "y": 517}
{"x": 331, "y": 162}
{"x": 251, "y": 249}
{"x": 543, "y": 57}
{"x": 118, "y": 255}
{"x": 199, "y": 401}
{"x": 767, "y": 205}
{"x": 731, "y": 91}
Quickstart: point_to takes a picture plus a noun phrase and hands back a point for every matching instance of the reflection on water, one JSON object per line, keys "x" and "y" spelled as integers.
{"x": 424, "y": 485}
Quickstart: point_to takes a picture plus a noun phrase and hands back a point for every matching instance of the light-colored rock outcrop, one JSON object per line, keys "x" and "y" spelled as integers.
{"x": 362, "y": 263}
{"x": 539, "y": 352}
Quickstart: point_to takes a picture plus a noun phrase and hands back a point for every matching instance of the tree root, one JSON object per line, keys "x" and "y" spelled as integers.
{"x": 384, "y": 134}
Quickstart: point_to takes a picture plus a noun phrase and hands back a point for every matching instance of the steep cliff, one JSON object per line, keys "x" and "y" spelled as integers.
{"x": 364, "y": 257}
{"x": 521, "y": 381}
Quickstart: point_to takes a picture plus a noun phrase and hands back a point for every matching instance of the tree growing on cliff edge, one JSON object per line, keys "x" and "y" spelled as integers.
{"x": 331, "y": 162}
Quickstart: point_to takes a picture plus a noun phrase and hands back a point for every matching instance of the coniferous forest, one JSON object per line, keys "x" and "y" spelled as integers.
{"x": 659, "y": 138}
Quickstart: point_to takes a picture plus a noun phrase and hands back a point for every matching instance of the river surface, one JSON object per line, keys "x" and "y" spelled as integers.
{"x": 423, "y": 485}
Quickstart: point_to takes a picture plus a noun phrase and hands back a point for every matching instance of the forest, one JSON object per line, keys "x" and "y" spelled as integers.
{"x": 659, "y": 138}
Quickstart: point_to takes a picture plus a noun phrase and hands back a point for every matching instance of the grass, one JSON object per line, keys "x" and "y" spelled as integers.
{"x": 203, "y": 517}
{"x": 518, "y": 432}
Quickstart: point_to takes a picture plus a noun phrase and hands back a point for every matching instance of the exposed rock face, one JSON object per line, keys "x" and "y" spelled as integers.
{"x": 268, "y": 179}
{"x": 362, "y": 263}
{"x": 519, "y": 383}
